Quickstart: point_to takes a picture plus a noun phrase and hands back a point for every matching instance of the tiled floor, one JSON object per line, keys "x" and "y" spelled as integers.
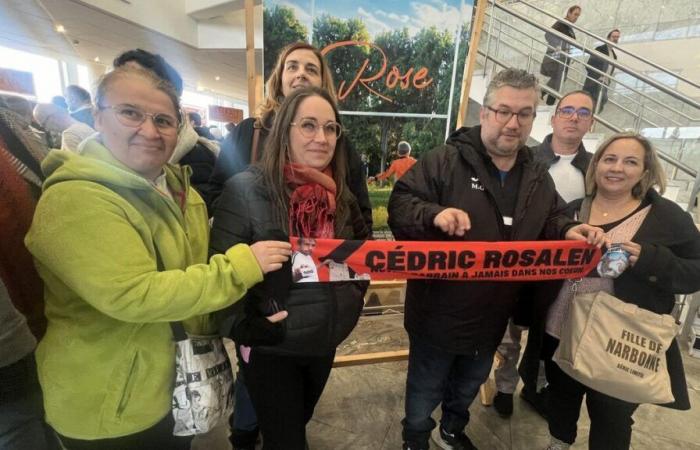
{"x": 362, "y": 407}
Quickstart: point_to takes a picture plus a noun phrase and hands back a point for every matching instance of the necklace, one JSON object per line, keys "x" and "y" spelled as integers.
{"x": 624, "y": 208}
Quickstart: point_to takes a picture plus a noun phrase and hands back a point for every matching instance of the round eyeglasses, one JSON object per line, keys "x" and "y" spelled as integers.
{"x": 133, "y": 117}
{"x": 309, "y": 128}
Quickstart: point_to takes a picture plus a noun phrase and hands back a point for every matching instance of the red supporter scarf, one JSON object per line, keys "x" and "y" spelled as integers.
{"x": 312, "y": 203}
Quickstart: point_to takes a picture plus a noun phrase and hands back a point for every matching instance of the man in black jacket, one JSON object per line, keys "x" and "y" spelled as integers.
{"x": 483, "y": 185}
{"x": 566, "y": 157}
{"x": 597, "y": 83}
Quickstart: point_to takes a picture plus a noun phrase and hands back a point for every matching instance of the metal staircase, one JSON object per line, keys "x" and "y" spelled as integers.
{"x": 513, "y": 36}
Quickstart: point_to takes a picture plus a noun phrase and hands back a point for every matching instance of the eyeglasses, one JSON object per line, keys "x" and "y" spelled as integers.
{"x": 503, "y": 116}
{"x": 133, "y": 117}
{"x": 567, "y": 112}
{"x": 309, "y": 128}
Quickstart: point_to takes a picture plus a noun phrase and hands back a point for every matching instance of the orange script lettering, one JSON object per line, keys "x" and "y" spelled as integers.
{"x": 419, "y": 79}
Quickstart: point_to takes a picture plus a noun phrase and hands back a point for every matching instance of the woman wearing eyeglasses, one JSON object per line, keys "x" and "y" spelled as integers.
{"x": 299, "y": 189}
{"x": 120, "y": 240}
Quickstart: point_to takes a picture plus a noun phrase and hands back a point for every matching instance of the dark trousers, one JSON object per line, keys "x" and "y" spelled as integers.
{"x": 434, "y": 377}
{"x": 243, "y": 421}
{"x": 22, "y": 423}
{"x": 611, "y": 418}
{"x": 159, "y": 436}
{"x": 285, "y": 390}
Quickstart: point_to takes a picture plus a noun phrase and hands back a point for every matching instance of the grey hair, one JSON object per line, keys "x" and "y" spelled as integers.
{"x": 515, "y": 78}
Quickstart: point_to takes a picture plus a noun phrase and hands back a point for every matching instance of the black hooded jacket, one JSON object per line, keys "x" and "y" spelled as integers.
{"x": 469, "y": 317}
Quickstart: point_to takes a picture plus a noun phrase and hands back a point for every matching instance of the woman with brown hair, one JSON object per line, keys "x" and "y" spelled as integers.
{"x": 297, "y": 189}
{"x": 299, "y": 65}
{"x": 664, "y": 255}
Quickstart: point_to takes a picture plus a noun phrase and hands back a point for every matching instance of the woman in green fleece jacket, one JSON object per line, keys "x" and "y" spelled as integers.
{"x": 120, "y": 240}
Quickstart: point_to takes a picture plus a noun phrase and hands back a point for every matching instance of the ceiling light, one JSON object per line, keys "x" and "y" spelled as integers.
{"x": 97, "y": 59}
{"x": 60, "y": 28}
{"x": 217, "y": 78}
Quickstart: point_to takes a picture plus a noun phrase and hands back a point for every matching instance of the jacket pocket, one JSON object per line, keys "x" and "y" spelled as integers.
{"x": 128, "y": 385}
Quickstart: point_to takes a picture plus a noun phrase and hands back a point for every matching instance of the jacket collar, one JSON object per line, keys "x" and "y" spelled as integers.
{"x": 580, "y": 161}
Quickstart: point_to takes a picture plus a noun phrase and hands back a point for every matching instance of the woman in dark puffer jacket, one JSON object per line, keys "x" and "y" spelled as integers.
{"x": 297, "y": 189}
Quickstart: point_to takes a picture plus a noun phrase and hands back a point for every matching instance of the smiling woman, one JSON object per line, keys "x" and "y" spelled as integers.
{"x": 137, "y": 117}
{"x": 120, "y": 240}
{"x": 298, "y": 189}
{"x": 664, "y": 259}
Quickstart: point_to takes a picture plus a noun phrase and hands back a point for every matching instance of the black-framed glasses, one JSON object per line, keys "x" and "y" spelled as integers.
{"x": 567, "y": 112}
{"x": 503, "y": 116}
{"x": 309, "y": 128}
{"x": 133, "y": 117}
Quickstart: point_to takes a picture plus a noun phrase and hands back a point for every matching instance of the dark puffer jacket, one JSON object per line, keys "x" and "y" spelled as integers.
{"x": 321, "y": 315}
{"x": 469, "y": 317}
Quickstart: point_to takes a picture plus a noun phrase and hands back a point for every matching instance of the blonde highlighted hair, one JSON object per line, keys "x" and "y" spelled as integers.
{"x": 273, "y": 87}
{"x": 653, "y": 175}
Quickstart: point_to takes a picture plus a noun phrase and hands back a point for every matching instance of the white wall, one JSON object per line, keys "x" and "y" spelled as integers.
{"x": 167, "y": 17}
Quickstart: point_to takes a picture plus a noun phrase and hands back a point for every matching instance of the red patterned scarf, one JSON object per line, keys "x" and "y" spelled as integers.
{"x": 312, "y": 203}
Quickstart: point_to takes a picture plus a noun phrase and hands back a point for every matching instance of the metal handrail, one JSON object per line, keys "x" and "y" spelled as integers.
{"x": 622, "y": 68}
{"x": 602, "y": 39}
{"x": 669, "y": 159}
{"x": 661, "y": 87}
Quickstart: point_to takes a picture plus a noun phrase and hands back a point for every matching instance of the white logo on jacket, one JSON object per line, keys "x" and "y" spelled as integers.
{"x": 476, "y": 184}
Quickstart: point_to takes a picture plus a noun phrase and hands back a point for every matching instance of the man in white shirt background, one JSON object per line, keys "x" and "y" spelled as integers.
{"x": 568, "y": 160}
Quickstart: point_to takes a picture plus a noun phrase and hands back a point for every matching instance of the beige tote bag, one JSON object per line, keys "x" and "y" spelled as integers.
{"x": 617, "y": 348}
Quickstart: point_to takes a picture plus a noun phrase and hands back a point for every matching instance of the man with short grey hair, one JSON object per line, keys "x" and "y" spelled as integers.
{"x": 482, "y": 185}
{"x": 567, "y": 160}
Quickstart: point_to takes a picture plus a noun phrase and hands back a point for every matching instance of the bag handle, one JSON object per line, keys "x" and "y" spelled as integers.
{"x": 178, "y": 329}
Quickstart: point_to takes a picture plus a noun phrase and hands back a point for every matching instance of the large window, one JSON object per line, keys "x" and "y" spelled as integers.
{"x": 45, "y": 71}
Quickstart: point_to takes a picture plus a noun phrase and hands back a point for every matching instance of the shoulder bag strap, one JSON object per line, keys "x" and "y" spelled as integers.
{"x": 254, "y": 148}
{"x": 177, "y": 327}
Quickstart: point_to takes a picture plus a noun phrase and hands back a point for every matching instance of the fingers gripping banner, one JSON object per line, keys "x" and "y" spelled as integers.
{"x": 338, "y": 260}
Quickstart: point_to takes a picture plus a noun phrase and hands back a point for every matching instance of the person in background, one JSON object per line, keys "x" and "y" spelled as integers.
{"x": 65, "y": 132}
{"x": 566, "y": 156}
{"x": 199, "y": 154}
{"x": 195, "y": 120}
{"x": 597, "y": 83}
{"x": 216, "y": 133}
{"x": 400, "y": 165}
{"x": 120, "y": 240}
{"x": 22, "y": 318}
{"x": 59, "y": 101}
{"x": 299, "y": 65}
{"x": 80, "y": 104}
{"x": 664, "y": 248}
{"x": 482, "y": 185}
{"x": 304, "y": 163}
{"x": 558, "y": 53}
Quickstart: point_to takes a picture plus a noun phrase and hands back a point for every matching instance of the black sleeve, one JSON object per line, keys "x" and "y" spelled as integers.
{"x": 234, "y": 157}
{"x": 202, "y": 161}
{"x": 414, "y": 201}
{"x": 674, "y": 266}
{"x": 233, "y": 224}
{"x": 596, "y": 62}
{"x": 357, "y": 182}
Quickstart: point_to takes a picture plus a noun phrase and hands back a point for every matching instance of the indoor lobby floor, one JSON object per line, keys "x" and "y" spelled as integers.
{"x": 362, "y": 407}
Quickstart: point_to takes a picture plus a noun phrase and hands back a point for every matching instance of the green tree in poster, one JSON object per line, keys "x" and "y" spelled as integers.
{"x": 281, "y": 28}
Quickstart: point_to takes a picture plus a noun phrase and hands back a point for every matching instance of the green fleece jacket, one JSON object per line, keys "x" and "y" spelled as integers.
{"x": 107, "y": 361}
